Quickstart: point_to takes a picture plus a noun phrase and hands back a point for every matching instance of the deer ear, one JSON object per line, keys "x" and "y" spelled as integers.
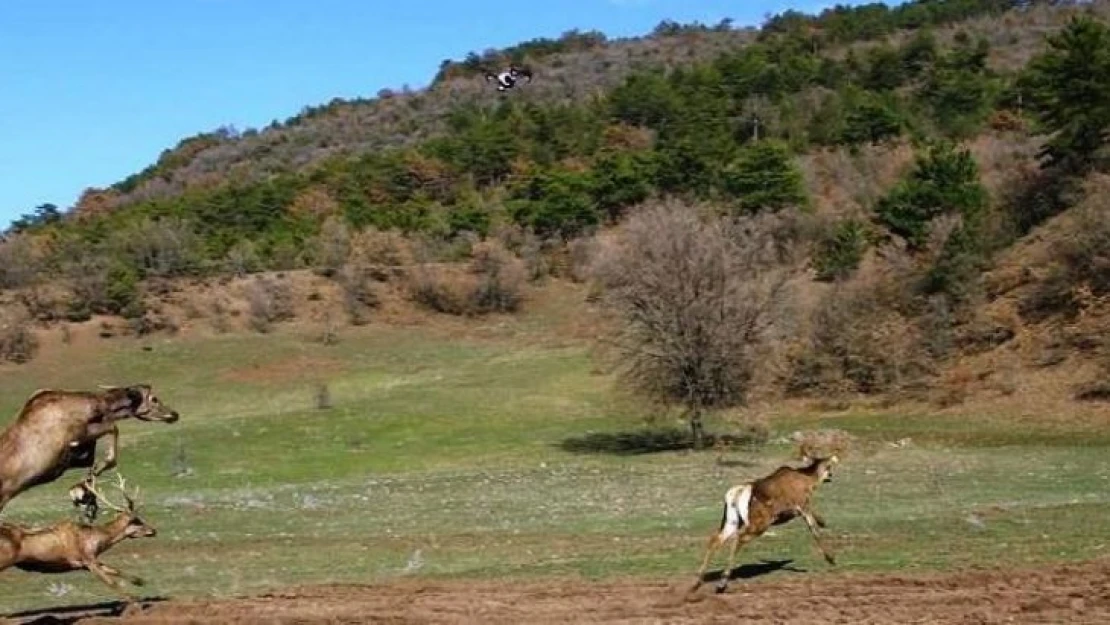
{"x": 128, "y": 399}
{"x": 136, "y": 395}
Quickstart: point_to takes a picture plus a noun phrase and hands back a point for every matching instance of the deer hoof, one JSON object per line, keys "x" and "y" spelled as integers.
{"x": 138, "y": 581}
{"x": 831, "y": 560}
{"x": 720, "y": 588}
{"x": 132, "y": 608}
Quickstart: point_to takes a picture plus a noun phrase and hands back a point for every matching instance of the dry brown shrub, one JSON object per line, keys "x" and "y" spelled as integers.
{"x": 955, "y": 387}
{"x": 331, "y": 247}
{"x": 581, "y": 252}
{"x": 1005, "y": 375}
{"x": 269, "y": 301}
{"x": 845, "y": 183}
{"x": 621, "y": 136}
{"x": 93, "y": 202}
{"x": 373, "y": 247}
{"x": 1088, "y": 333}
{"x": 860, "y": 343}
{"x": 538, "y": 255}
{"x": 45, "y": 303}
{"x": 1081, "y": 259}
{"x": 492, "y": 282}
{"x": 1006, "y": 121}
{"x": 150, "y": 322}
{"x": 437, "y": 288}
{"x": 360, "y": 292}
{"x": 18, "y": 343}
{"x": 314, "y": 202}
{"x": 220, "y": 314}
{"x": 20, "y": 264}
{"x": 1004, "y": 159}
{"x": 500, "y": 279}
{"x": 242, "y": 259}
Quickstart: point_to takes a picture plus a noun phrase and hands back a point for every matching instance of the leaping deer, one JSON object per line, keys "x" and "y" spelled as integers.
{"x": 751, "y": 509}
{"x": 69, "y": 546}
{"x": 57, "y": 430}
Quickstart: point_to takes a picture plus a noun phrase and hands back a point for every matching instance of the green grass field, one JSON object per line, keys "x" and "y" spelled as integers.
{"x": 441, "y": 457}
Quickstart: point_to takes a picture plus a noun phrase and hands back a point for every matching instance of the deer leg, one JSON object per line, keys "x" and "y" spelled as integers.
{"x": 730, "y": 525}
{"x": 97, "y": 569}
{"x": 114, "y": 572}
{"x": 818, "y": 518}
{"x": 111, "y": 444}
{"x": 715, "y": 542}
{"x": 811, "y": 523}
{"x": 742, "y": 539}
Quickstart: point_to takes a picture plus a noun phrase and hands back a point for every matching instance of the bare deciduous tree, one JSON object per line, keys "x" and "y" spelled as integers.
{"x": 19, "y": 263}
{"x": 331, "y": 246}
{"x": 696, "y": 294}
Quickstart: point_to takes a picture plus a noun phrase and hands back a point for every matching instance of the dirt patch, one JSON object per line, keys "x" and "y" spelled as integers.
{"x": 1077, "y": 593}
{"x": 296, "y": 368}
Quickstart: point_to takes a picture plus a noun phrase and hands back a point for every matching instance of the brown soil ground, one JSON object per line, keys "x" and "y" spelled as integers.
{"x": 1076, "y": 593}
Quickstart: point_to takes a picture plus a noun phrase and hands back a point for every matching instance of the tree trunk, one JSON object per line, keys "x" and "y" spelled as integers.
{"x": 697, "y": 431}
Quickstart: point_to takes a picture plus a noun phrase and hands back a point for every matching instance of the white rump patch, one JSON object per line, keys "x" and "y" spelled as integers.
{"x": 737, "y": 509}
{"x": 744, "y": 503}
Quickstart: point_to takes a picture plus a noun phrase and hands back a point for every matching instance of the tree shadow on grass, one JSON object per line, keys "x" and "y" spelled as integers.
{"x": 651, "y": 440}
{"x": 75, "y": 613}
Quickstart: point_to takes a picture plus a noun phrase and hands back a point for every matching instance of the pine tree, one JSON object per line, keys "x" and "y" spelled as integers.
{"x": 1069, "y": 92}
{"x": 765, "y": 177}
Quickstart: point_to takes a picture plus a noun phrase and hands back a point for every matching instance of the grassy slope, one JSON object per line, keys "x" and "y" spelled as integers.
{"x": 444, "y": 440}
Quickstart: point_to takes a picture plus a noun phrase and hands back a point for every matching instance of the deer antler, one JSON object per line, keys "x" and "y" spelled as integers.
{"x": 133, "y": 499}
{"x": 91, "y": 485}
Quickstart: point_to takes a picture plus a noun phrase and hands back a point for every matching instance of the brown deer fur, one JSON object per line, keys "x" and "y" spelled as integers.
{"x": 69, "y": 546}
{"x": 751, "y": 509}
{"x": 57, "y": 430}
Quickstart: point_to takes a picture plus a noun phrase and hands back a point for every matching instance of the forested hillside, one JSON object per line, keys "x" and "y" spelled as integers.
{"x": 459, "y": 137}
{"x": 895, "y": 159}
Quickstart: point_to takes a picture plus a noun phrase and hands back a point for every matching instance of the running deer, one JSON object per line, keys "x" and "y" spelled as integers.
{"x": 69, "y": 546}
{"x": 58, "y": 430}
{"x": 751, "y": 509}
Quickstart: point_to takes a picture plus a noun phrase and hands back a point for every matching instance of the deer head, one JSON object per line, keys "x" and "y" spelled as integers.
{"x": 825, "y": 467}
{"x": 137, "y": 401}
{"x": 135, "y": 527}
{"x": 823, "y": 464}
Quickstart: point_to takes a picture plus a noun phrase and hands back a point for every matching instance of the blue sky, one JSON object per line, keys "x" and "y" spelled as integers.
{"x": 91, "y": 92}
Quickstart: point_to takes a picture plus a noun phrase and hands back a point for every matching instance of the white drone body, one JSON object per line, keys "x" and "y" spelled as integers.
{"x": 509, "y": 78}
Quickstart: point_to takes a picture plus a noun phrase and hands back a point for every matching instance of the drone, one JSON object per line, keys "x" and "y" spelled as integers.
{"x": 508, "y": 79}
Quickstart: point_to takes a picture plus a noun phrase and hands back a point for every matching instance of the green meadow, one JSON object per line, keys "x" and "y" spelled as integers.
{"x": 441, "y": 454}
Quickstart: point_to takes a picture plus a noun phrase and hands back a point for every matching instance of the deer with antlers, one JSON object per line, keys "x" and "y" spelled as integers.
{"x": 69, "y": 546}
{"x": 58, "y": 430}
{"x": 751, "y": 509}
